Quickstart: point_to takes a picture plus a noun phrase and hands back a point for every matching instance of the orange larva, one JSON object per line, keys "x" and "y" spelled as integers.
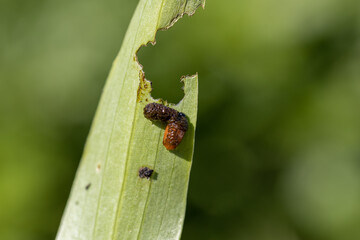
{"x": 177, "y": 123}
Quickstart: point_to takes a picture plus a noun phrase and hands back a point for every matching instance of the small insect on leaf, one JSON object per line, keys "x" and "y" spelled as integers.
{"x": 176, "y": 127}
{"x": 145, "y": 172}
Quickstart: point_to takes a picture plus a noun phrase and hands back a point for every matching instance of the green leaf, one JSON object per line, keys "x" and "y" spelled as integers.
{"x": 108, "y": 200}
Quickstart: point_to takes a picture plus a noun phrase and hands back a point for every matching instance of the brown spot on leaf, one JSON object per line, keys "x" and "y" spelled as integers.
{"x": 144, "y": 87}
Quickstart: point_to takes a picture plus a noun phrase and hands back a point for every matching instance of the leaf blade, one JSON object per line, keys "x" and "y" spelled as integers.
{"x": 120, "y": 205}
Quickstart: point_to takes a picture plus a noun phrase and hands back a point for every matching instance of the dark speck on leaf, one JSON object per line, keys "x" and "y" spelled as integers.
{"x": 145, "y": 172}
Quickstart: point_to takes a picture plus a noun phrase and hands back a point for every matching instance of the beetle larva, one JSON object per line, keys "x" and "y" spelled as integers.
{"x": 176, "y": 127}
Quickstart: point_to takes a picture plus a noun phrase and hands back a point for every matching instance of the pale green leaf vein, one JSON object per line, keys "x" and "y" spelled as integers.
{"x": 112, "y": 129}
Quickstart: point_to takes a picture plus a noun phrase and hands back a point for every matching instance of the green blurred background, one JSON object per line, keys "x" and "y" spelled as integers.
{"x": 277, "y": 153}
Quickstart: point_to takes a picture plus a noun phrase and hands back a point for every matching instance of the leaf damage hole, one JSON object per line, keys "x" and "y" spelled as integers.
{"x": 168, "y": 62}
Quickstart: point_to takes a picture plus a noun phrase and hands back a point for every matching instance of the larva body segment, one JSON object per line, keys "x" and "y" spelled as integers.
{"x": 176, "y": 127}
